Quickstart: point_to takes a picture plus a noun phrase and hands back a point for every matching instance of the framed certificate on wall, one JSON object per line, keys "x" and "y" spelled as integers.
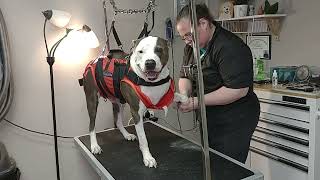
{"x": 260, "y": 46}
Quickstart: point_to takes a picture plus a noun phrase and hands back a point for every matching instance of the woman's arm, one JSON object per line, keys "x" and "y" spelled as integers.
{"x": 185, "y": 86}
{"x": 224, "y": 95}
{"x": 221, "y": 96}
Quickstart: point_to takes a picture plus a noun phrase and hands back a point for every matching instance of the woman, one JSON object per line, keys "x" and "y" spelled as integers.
{"x": 231, "y": 105}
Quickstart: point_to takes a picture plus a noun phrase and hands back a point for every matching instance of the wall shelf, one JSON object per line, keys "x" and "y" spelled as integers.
{"x": 254, "y": 24}
{"x": 264, "y": 16}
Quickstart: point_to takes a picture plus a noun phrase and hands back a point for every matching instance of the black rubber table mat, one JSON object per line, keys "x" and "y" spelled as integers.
{"x": 177, "y": 158}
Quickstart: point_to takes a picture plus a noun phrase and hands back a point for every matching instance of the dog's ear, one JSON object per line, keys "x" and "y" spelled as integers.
{"x": 134, "y": 44}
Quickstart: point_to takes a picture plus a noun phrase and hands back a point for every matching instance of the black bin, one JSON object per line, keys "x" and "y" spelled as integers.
{"x": 8, "y": 168}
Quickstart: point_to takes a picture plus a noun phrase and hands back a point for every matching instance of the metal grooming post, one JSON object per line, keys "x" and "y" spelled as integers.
{"x": 203, "y": 123}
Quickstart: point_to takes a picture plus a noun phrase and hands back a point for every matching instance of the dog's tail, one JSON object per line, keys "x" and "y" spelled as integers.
{"x": 80, "y": 81}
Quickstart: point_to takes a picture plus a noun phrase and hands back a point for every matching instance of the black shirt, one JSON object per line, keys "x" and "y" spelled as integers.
{"x": 227, "y": 62}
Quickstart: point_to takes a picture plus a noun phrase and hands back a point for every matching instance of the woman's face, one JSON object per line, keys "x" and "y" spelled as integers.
{"x": 204, "y": 33}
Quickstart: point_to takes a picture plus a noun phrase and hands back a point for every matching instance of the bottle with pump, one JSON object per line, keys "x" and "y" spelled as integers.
{"x": 274, "y": 79}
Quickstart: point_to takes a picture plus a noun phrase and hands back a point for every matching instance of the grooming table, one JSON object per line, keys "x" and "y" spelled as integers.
{"x": 177, "y": 157}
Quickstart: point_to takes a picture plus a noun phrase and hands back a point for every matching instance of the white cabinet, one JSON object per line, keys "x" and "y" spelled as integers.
{"x": 285, "y": 145}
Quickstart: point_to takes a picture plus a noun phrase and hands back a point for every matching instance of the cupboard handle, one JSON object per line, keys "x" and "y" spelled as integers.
{"x": 280, "y": 146}
{"x": 288, "y": 126}
{"x": 282, "y": 135}
{"x": 279, "y": 159}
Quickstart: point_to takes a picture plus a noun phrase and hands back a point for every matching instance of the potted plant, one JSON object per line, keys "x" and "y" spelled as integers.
{"x": 240, "y": 8}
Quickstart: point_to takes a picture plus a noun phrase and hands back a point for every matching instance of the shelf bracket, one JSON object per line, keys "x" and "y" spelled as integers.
{"x": 274, "y": 25}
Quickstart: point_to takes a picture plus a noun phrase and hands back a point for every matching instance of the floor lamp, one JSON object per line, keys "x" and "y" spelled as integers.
{"x": 61, "y": 19}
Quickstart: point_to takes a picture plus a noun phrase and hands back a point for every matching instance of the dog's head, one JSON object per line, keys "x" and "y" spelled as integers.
{"x": 149, "y": 58}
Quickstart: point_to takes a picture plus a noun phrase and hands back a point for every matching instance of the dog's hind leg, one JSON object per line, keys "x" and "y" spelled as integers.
{"x": 118, "y": 110}
{"x": 92, "y": 99}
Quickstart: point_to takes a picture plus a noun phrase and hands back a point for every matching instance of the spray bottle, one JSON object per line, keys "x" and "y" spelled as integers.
{"x": 274, "y": 79}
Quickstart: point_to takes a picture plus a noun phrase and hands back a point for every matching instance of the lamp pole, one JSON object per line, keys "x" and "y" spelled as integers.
{"x": 50, "y": 61}
{"x": 60, "y": 19}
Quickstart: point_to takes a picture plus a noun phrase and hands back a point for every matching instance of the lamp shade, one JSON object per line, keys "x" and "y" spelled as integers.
{"x": 57, "y": 17}
{"x": 89, "y": 37}
{"x": 83, "y": 37}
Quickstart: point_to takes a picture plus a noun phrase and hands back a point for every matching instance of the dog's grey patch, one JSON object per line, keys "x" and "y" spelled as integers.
{"x": 162, "y": 50}
{"x": 185, "y": 145}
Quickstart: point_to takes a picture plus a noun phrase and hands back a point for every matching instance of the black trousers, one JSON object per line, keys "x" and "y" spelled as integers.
{"x": 230, "y": 131}
{"x": 234, "y": 144}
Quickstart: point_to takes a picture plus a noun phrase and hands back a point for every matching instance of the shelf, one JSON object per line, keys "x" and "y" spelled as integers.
{"x": 248, "y": 32}
{"x": 264, "y": 16}
{"x": 267, "y": 23}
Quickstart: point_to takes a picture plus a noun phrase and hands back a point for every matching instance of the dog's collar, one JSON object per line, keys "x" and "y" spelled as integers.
{"x": 132, "y": 76}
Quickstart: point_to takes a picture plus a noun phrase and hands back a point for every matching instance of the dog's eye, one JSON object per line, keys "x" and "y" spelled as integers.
{"x": 140, "y": 51}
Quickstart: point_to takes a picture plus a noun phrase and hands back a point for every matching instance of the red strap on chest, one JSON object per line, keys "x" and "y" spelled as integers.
{"x": 166, "y": 99}
{"x": 108, "y": 80}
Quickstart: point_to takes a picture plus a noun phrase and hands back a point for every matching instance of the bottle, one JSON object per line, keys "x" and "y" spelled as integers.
{"x": 274, "y": 79}
{"x": 260, "y": 70}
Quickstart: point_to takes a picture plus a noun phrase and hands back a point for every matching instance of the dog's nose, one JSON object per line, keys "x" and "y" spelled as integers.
{"x": 150, "y": 64}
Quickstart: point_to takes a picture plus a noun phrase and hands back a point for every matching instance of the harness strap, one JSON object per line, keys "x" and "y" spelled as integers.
{"x": 100, "y": 78}
{"x": 144, "y": 32}
{"x": 166, "y": 99}
{"x": 115, "y": 35}
{"x": 120, "y": 70}
{"x": 152, "y": 24}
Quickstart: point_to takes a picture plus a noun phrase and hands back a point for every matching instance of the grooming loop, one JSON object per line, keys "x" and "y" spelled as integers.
{"x": 145, "y": 32}
{"x": 150, "y": 7}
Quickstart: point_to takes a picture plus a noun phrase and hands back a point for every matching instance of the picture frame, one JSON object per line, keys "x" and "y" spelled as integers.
{"x": 260, "y": 46}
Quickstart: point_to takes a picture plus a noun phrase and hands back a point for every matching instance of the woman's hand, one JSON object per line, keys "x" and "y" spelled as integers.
{"x": 189, "y": 105}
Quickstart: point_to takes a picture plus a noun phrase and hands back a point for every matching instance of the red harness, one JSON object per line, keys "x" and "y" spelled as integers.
{"x": 112, "y": 79}
{"x": 166, "y": 99}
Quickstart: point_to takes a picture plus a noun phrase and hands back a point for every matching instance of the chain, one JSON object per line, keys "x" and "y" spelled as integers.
{"x": 151, "y": 7}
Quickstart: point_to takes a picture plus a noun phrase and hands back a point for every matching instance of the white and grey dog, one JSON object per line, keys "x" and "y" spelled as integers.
{"x": 148, "y": 62}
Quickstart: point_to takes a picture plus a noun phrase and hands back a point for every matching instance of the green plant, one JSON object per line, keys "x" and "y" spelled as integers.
{"x": 241, "y": 2}
{"x": 271, "y": 9}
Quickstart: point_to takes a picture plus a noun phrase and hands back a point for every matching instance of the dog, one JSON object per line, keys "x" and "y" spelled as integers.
{"x": 146, "y": 84}
{"x": 226, "y": 10}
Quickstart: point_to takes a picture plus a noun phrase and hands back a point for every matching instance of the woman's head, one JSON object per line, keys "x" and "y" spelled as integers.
{"x": 204, "y": 20}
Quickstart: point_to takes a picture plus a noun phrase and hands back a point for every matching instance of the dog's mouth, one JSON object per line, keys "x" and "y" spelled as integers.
{"x": 152, "y": 75}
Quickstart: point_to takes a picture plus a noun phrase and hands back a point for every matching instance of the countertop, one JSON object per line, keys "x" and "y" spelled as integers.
{"x": 282, "y": 90}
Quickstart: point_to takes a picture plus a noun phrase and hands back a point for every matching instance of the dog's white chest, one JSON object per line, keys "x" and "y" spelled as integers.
{"x": 155, "y": 93}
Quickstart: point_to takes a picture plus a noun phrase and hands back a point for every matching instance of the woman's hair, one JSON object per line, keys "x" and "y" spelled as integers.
{"x": 202, "y": 11}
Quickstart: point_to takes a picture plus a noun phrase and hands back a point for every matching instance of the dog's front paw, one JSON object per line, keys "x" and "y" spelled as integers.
{"x": 149, "y": 161}
{"x": 130, "y": 137}
{"x": 96, "y": 149}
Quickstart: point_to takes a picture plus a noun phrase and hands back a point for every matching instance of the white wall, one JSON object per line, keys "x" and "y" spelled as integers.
{"x": 299, "y": 37}
{"x": 31, "y": 106}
